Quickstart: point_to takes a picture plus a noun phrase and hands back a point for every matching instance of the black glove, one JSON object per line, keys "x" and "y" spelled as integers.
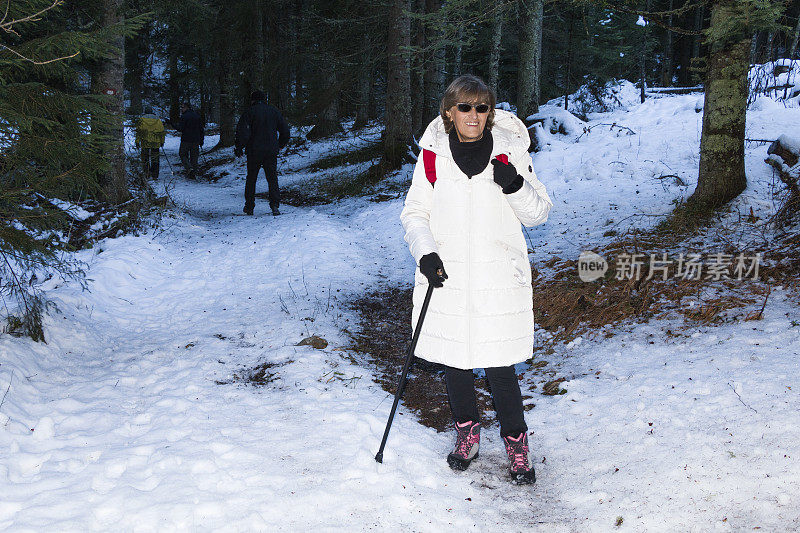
{"x": 506, "y": 176}
{"x": 432, "y": 268}
{"x": 238, "y": 152}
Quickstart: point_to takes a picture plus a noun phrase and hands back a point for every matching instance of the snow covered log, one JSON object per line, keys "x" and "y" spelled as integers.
{"x": 784, "y": 154}
{"x": 674, "y": 90}
{"x": 551, "y": 121}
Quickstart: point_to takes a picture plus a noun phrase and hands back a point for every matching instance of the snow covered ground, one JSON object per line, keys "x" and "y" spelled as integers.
{"x": 118, "y": 423}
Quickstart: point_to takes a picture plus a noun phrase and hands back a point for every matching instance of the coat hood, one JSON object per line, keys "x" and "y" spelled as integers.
{"x": 152, "y": 123}
{"x": 508, "y": 131}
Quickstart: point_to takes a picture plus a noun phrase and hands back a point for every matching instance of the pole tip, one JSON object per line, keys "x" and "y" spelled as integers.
{"x": 379, "y": 457}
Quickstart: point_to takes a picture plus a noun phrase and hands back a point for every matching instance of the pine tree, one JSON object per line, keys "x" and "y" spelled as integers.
{"x": 722, "y": 173}
{"x": 397, "y": 134}
{"x": 530, "y": 57}
{"x": 52, "y": 145}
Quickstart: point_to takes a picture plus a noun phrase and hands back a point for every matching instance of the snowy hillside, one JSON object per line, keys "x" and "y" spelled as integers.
{"x": 135, "y": 416}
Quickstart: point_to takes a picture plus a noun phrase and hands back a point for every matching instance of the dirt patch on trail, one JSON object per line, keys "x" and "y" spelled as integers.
{"x": 258, "y": 376}
{"x": 384, "y": 337}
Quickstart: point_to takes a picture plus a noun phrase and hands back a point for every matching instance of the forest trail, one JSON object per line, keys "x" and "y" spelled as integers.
{"x": 126, "y": 428}
{"x": 119, "y": 421}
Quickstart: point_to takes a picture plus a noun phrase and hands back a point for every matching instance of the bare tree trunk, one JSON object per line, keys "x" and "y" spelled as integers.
{"x": 568, "y": 76}
{"x": 110, "y": 81}
{"x": 643, "y": 60}
{"x": 795, "y": 38}
{"x": 722, "y": 174}
{"x": 418, "y": 74}
{"x": 770, "y": 40}
{"x": 284, "y": 70}
{"x": 226, "y": 106}
{"x": 434, "y": 71}
{"x": 259, "y": 80}
{"x": 397, "y": 133}
{"x": 291, "y": 96}
{"x": 458, "y": 53}
{"x": 363, "y": 84}
{"x": 172, "y": 86}
{"x": 272, "y": 50}
{"x": 327, "y": 122}
{"x": 530, "y": 60}
{"x": 202, "y": 86}
{"x": 753, "y": 49}
{"x": 300, "y": 78}
{"x": 135, "y": 52}
{"x": 698, "y": 25}
{"x": 494, "y": 54}
{"x": 666, "y": 72}
{"x": 642, "y": 66}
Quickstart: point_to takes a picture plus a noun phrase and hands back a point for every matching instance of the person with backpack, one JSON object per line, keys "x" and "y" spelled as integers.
{"x": 150, "y": 135}
{"x": 192, "y": 137}
{"x": 472, "y": 187}
{"x": 261, "y": 133}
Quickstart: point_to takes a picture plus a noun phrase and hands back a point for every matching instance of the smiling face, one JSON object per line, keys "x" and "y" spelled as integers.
{"x": 469, "y": 125}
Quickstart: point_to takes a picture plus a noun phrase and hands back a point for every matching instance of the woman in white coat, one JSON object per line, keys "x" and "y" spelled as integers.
{"x": 472, "y": 187}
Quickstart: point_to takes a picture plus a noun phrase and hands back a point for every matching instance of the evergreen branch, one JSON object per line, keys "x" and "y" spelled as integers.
{"x": 5, "y": 15}
{"x": 653, "y": 16}
{"x": 687, "y": 6}
{"x": 28, "y": 259}
{"x": 17, "y": 283}
{"x": 24, "y": 58}
{"x": 8, "y": 26}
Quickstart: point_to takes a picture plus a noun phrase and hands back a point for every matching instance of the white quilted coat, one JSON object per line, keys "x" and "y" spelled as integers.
{"x": 483, "y": 316}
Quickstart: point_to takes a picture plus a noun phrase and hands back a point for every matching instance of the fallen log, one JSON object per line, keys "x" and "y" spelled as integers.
{"x": 674, "y": 90}
{"x": 783, "y": 155}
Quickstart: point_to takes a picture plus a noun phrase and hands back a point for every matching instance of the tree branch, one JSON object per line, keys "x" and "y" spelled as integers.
{"x": 8, "y": 26}
{"x": 651, "y": 16}
{"x": 4, "y": 47}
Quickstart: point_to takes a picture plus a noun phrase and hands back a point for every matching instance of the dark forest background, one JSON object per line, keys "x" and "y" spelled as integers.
{"x": 74, "y": 72}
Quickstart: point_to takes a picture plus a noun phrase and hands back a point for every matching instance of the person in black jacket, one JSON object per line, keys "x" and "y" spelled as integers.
{"x": 192, "y": 136}
{"x": 261, "y": 133}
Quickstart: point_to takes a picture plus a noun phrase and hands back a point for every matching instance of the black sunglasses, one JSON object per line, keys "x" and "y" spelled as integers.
{"x": 466, "y": 108}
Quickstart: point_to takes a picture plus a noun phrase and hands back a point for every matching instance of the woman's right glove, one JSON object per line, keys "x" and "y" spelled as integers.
{"x": 431, "y": 267}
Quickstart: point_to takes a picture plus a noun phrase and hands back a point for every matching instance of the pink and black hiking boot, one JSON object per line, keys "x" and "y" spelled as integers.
{"x": 468, "y": 439}
{"x": 517, "y": 449}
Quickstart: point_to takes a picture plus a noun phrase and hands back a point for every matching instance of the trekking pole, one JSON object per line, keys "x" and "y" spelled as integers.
{"x": 402, "y": 384}
{"x": 167, "y": 160}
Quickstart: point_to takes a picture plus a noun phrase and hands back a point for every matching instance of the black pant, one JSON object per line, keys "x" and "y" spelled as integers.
{"x": 255, "y": 162}
{"x": 150, "y": 163}
{"x": 505, "y": 393}
{"x": 189, "y": 153}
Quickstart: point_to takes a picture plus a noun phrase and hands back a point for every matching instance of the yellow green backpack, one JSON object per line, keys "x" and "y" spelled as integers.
{"x": 150, "y": 132}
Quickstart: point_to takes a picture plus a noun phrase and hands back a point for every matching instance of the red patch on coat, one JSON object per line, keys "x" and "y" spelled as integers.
{"x": 429, "y": 160}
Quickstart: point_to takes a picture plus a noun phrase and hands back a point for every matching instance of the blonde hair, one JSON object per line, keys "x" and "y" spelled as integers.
{"x": 467, "y": 89}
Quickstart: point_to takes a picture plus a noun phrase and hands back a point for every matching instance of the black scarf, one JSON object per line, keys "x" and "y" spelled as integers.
{"x": 471, "y": 157}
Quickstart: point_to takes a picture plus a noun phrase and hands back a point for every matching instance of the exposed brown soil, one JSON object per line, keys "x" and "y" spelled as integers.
{"x": 384, "y": 337}
{"x": 570, "y": 307}
{"x": 258, "y": 376}
{"x": 207, "y": 168}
